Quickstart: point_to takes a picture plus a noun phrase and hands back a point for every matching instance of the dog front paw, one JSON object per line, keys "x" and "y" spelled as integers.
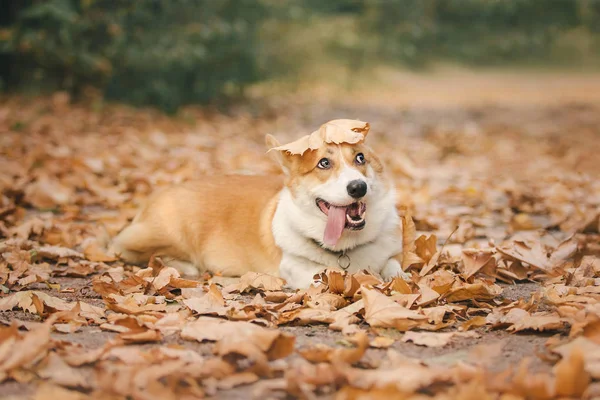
{"x": 297, "y": 276}
{"x": 393, "y": 270}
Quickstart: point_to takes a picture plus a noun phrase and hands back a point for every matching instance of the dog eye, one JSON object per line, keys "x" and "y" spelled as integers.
{"x": 359, "y": 159}
{"x": 324, "y": 163}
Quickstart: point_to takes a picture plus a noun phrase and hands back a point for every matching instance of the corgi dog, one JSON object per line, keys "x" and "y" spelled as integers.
{"x": 333, "y": 208}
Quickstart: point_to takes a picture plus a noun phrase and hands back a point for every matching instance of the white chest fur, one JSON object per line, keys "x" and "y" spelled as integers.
{"x": 299, "y": 235}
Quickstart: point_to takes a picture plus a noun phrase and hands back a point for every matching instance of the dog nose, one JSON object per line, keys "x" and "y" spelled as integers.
{"x": 357, "y": 188}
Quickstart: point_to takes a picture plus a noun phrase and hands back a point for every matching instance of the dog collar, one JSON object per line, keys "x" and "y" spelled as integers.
{"x": 344, "y": 261}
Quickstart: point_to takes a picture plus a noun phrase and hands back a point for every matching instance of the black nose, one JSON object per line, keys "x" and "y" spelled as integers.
{"x": 357, "y": 188}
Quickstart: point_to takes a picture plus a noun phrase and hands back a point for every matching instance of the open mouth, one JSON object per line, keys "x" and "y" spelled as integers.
{"x": 355, "y": 213}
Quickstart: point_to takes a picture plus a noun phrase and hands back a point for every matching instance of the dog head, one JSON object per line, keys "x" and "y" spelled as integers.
{"x": 333, "y": 177}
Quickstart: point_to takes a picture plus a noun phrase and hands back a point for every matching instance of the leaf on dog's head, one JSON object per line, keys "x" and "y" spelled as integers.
{"x": 336, "y": 132}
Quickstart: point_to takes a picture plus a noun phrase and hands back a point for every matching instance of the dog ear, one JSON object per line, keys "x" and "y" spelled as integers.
{"x": 281, "y": 157}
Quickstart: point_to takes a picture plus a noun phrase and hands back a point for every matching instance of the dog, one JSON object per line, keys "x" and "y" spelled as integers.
{"x": 334, "y": 208}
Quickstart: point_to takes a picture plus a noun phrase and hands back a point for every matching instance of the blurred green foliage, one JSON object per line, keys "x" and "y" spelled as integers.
{"x": 158, "y": 52}
{"x": 169, "y": 53}
{"x": 477, "y": 31}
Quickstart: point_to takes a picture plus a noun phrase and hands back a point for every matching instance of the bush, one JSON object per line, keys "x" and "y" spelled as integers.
{"x": 474, "y": 31}
{"x": 158, "y": 52}
{"x": 169, "y": 53}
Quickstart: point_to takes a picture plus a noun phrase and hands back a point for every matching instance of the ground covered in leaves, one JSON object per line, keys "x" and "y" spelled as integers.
{"x": 500, "y": 208}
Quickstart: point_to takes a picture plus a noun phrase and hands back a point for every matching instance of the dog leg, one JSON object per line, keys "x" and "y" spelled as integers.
{"x": 184, "y": 267}
{"x": 298, "y": 272}
{"x": 392, "y": 269}
{"x": 135, "y": 244}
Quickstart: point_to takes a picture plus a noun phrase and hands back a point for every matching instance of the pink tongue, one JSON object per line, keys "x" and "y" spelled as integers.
{"x": 336, "y": 221}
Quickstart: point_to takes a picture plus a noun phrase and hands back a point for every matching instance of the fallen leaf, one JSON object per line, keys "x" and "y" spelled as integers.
{"x": 474, "y": 260}
{"x": 58, "y": 252}
{"x": 27, "y": 300}
{"x": 531, "y": 385}
{"x": 94, "y": 251}
{"x": 381, "y": 311}
{"x": 590, "y": 351}
{"x": 518, "y": 319}
{"x": 474, "y": 322}
{"x": 327, "y": 301}
{"x": 239, "y": 337}
{"x": 534, "y": 254}
{"x": 48, "y": 193}
{"x": 50, "y": 391}
{"x": 382, "y": 342}
{"x": 147, "y": 336}
{"x": 59, "y": 372}
{"x": 473, "y": 291}
{"x": 409, "y": 234}
{"x": 434, "y": 339}
{"x": 22, "y": 351}
{"x": 255, "y": 281}
{"x": 241, "y": 378}
{"x": 571, "y": 377}
{"x": 210, "y": 303}
{"x": 322, "y": 353}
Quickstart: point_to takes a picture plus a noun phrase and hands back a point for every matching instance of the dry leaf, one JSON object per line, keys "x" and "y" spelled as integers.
{"x": 142, "y": 337}
{"x": 407, "y": 377}
{"x": 434, "y": 339}
{"x": 474, "y": 291}
{"x": 381, "y": 311}
{"x": 49, "y": 391}
{"x": 255, "y": 281}
{"x": 474, "y": 322}
{"x": 94, "y": 251}
{"x": 22, "y": 351}
{"x": 518, "y": 319}
{"x": 571, "y": 377}
{"x": 474, "y": 260}
{"x": 58, "y": 371}
{"x": 409, "y": 234}
{"x": 48, "y": 193}
{"x": 210, "y": 303}
{"x": 590, "y": 351}
{"x": 323, "y": 353}
{"x": 336, "y": 132}
{"x": 34, "y": 302}
{"x": 327, "y": 301}
{"x": 534, "y": 254}
{"x": 58, "y": 252}
{"x": 239, "y": 337}
{"x": 426, "y": 247}
{"x": 382, "y": 342}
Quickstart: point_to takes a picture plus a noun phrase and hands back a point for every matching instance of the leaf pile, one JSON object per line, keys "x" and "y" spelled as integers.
{"x": 480, "y": 224}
